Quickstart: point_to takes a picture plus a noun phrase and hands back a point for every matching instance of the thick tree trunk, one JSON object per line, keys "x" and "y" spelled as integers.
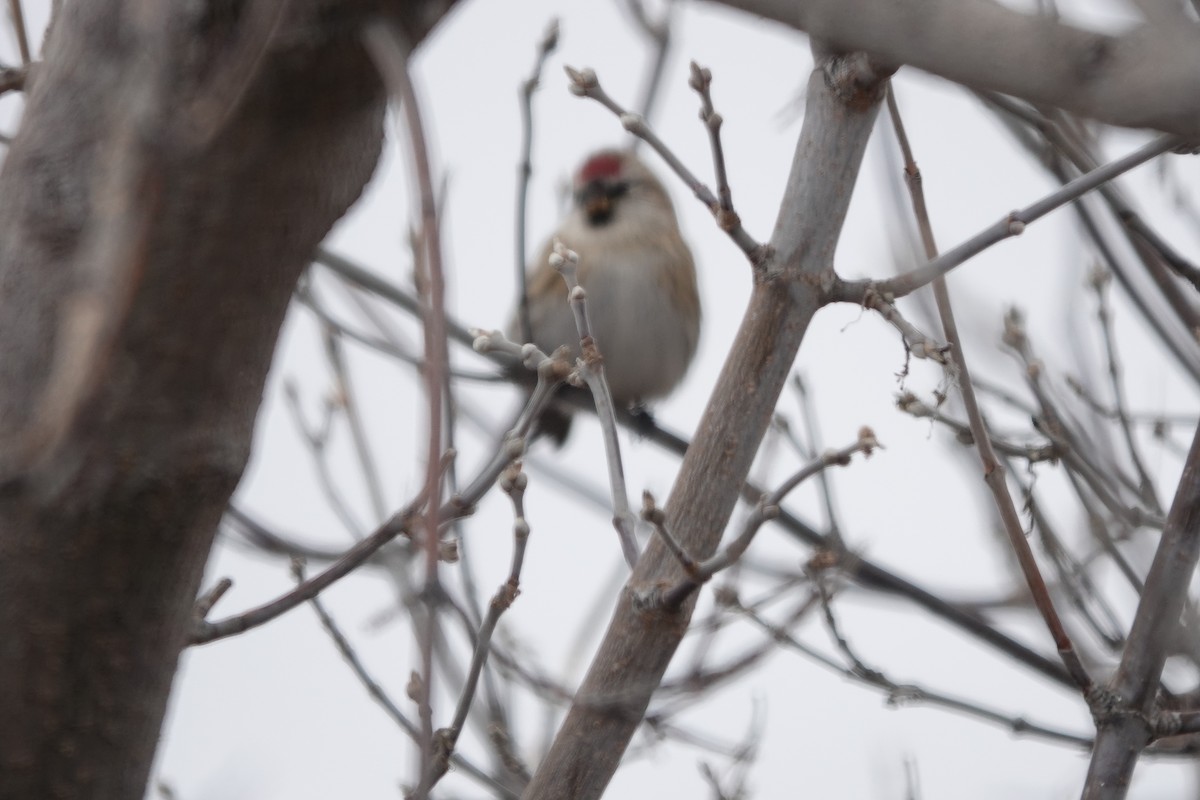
{"x": 176, "y": 166}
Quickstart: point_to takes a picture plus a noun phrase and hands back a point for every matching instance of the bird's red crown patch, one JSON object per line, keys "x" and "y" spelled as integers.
{"x": 604, "y": 165}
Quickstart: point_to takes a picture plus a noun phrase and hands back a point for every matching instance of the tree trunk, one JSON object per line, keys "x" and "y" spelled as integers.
{"x": 176, "y": 166}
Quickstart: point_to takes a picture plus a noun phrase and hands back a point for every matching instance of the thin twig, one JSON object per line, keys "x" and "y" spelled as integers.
{"x": 904, "y": 694}
{"x": 391, "y": 50}
{"x": 399, "y": 524}
{"x": 1012, "y": 225}
{"x": 812, "y": 431}
{"x": 525, "y": 172}
{"x": 18, "y": 19}
{"x": 1032, "y": 453}
{"x": 659, "y": 33}
{"x": 345, "y": 400}
{"x": 766, "y": 510}
{"x": 1074, "y": 579}
{"x": 585, "y": 84}
{"x": 867, "y": 573}
{"x": 513, "y": 482}
{"x": 591, "y": 371}
{"x": 916, "y": 343}
{"x": 994, "y": 473}
{"x": 317, "y": 440}
{"x": 377, "y": 693}
{"x": 206, "y": 601}
{"x": 386, "y": 344}
{"x": 256, "y": 534}
{"x": 1077, "y": 154}
{"x": 1105, "y": 483}
{"x": 550, "y": 371}
{"x": 701, "y": 82}
{"x": 1145, "y": 483}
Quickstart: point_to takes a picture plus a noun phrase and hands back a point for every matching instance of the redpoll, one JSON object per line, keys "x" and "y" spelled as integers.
{"x": 639, "y": 276}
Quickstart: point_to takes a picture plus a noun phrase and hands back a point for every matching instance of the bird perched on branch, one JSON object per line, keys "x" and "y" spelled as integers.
{"x": 639, "y": 277}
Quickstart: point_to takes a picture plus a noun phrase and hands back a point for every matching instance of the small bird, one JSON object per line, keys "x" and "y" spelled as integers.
{"x": 640, "y": 279}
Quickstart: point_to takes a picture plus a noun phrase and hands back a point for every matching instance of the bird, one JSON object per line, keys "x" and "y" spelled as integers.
{"x": 639, "y": 275}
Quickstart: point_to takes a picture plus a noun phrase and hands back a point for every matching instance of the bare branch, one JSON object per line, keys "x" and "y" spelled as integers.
{"x": 1100, "y": 280}
{"x": 640, "y": 642}
{"x": 18, "y": 22}
{"x": 1122, "y": 721}
{"x": 1012, "y": 225}
{"x": 659, "y": 33}
{"x": 391, "y": 50}
{"x": 701, "y": 82}
{"x": 904, "y": 694}
{"x": 14, "y": 79}
{"x": 513, "y": 483}
{"x": 381, "y": 697}
{"x": 525, "y": 172}
{"x": 993, "y": 471}
{"x": 591, "y": 370}
{"x": 766, "y": 510}
{"x": 585, "y": 84}
{"x": 345, "y": 399}
{"x": 550, "y": 371}
{"x": 1147, "y": 77}
{"x": 909, "y": 403}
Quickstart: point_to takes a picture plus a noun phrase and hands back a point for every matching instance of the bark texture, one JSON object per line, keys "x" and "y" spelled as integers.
{"x": 177, "y": 164}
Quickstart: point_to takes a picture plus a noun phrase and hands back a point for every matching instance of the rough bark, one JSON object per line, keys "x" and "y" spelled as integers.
{"x": 176, "y": 166}
{"x": 641, "y": 638}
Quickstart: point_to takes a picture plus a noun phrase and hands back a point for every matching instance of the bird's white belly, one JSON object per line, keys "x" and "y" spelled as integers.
{"x": 646, "y": 347}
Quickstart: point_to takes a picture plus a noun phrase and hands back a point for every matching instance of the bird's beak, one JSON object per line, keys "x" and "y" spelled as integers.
{"x": 595, "y": 200}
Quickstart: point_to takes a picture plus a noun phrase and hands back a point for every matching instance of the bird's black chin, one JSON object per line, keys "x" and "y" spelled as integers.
{"x": 599, "y": 217}
{"x": 596, "y": 198}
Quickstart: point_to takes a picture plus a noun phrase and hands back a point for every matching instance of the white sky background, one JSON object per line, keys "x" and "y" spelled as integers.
{"x": 276, "y": 714}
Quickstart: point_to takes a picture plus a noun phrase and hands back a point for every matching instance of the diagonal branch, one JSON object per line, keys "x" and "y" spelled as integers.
{"x": 642, "y": 638}
{"x": 1125, "y": 724}
{"x": 993, "y": 470}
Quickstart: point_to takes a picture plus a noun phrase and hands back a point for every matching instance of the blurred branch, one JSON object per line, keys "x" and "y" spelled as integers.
{"x": 22, "y": 33}
{"x": 391, "y": 50}
{"x": 381, "y": 697}
{"x": 550, "y": 372}
{"x": 525, "y": 172}
{"x": 867, "y": 573}
{"x": 1146, "y": 77}
{"x": 903, "y": 694}
{"x": 1100, "y": 280}
{"x": 14, "y": 79}
{"x": 1012, "y": 225}
{"x": 513, "y": 482}
{"x": 591, "y": 371}
{"x": 1105, "y": 480}
{"x": 1146, "y": 243}
{"x": 658, "y": 31}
